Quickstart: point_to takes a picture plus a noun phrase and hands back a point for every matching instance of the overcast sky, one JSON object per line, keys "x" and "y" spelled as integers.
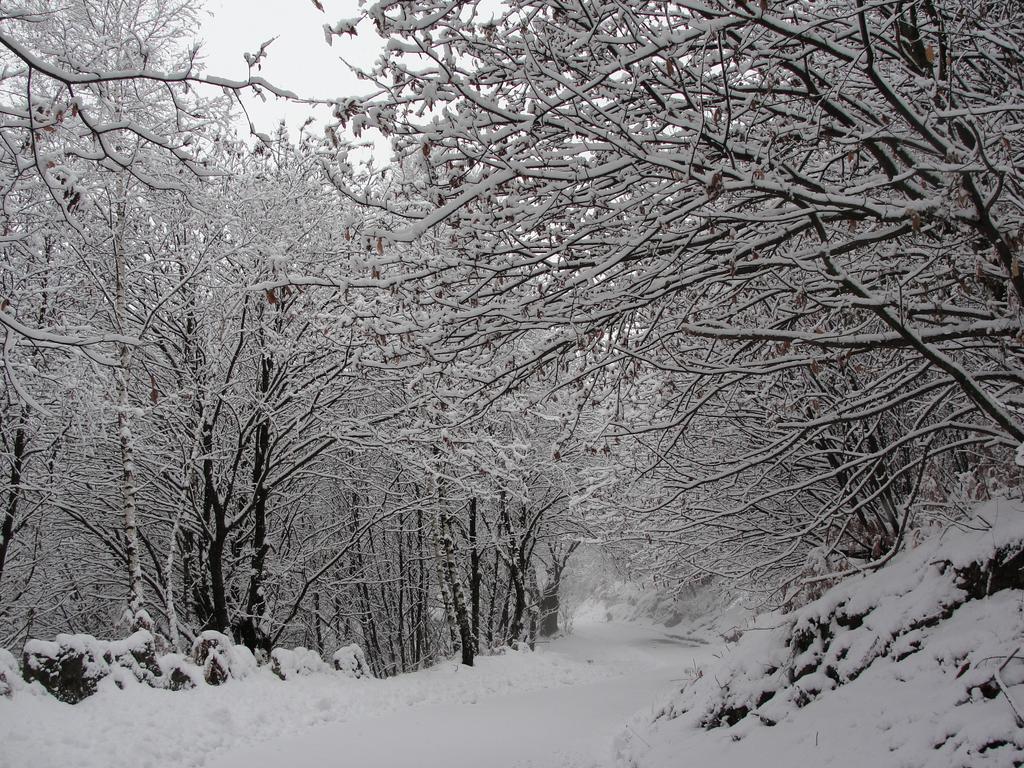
{"x": 299, "y": 60}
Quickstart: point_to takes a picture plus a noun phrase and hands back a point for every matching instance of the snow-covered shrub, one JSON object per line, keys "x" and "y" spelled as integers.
{"x": 946, "y": 617}
{"x": 10, "y": 676}
{"x": 136, "y": 654}
{"x": 816, "y": 577}
{"x": 72, "y": 666}
{"x": 179, "y": 673}
{"x": 242, "y": 661}
{"x": 220, "y": 659}
{"x": 296, "y": 662}
{"x": 350, "y": 660}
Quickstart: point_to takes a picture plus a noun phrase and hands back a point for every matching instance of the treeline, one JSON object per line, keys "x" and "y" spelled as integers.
{"x": 773, "y": 248}
{"x": 193, "y": 440}
{"x": 733, "y": 289}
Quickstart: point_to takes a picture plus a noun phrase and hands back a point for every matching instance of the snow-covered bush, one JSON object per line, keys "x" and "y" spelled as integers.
{"x": 296, "y": 662}
{"x": 941, "y": 625}
{"x": 10, "y": 676}
{"x": 72, "y": 666}
{"x": 179, "y": 673}
{"x": 220, "y": 659}
{"x": 350, "y": 660}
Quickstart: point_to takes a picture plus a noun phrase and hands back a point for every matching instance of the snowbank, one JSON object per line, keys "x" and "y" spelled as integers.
{"x": 10, "y": 674}
{"x": 351, "y": 661}
{"x": 73, "y": 667}
{"x": 155, "y": 727}
{"x": 918, "y": 663}
{"x": 220, "y": 659}
{"x": 297, "y": 662}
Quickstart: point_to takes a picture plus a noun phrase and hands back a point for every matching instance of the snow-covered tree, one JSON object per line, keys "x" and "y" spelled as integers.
{"x": 784, "y": 239}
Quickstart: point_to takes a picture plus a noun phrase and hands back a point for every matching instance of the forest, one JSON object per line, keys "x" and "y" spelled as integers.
{"x": 710, "y": 296}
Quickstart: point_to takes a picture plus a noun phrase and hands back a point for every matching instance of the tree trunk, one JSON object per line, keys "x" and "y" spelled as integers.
{"x": 215, "y": 512}
{"x": 250, "y": 631}
{"x": 515, "y": 625}
{"x": 422, "y": 642}
{"x": 129, "y": 482}
{"x": 318, "y": 633}
{"x": 549, "y": 604}
{"x": 367, "y": 618}
{"x": 13, "y": 493}
{"x": 474, "y": 575}
{"x": 463, "y": 641}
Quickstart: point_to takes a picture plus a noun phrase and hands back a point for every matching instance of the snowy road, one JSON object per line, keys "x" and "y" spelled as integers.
{"x": 570, "y": 725}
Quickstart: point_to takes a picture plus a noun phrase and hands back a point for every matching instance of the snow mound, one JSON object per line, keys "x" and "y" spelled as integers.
{"x": 220, "y": 659}
{"x": 10, "y": 676}
{"x": 179, "y": 673}
{"x": 926, "y": 650}
{"x": 157, "y": 727}
{"x": 72, "y": 667}
{"x": 351, "y": 661}
{"x": 297, "y": 662}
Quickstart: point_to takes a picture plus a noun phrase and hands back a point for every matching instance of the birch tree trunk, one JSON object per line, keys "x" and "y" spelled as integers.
{"x": 463, "y": 640}
{"x": 135, "y": 613}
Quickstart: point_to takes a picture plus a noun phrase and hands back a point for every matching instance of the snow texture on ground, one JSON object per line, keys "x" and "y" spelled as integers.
{"x": 903, "y": 691}
{"x": 908, "y": 684}
{"x": 560, "y": 706}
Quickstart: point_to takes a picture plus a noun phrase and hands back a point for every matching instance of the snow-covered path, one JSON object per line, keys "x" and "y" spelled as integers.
{"x": 571, "y": 725}
{"x": 560, "y": 706}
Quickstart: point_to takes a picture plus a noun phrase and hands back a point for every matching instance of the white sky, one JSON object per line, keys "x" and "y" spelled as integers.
{"x": 300, "y": 59}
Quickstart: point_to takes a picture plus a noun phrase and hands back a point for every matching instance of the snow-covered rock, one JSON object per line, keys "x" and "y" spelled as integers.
{"x": 296, "y": 662}
{"x": 350, "y": 660}
{"x": 220, "y": 659}
{"x": 179, "y": 672}
{"x": 71, "y": 667}
{"x": 10, "y": 675}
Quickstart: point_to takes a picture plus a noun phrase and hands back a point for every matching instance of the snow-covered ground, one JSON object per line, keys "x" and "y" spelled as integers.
{"x": 917, "y": 664}
{"x": 920, "y": 663}
{"x": 560, "y": 706}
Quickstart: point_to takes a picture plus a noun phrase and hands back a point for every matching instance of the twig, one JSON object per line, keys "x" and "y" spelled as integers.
{"x": 633, "y": 731}
{"x": 1002, "y": 687}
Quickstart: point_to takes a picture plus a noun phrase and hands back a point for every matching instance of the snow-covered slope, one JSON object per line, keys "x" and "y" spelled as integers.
{"x": 917, "y": 664}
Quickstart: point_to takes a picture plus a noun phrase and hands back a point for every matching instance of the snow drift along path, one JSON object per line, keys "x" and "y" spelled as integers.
{"x": 561, "y": 706}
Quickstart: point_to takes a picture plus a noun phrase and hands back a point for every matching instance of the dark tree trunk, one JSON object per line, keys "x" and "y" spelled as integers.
{"x": 515, "y": 626}
{"x": 215, "y": 513}
{"x": 550, "y": 597}
{"x": 219, "y": 619}
{"x": 317, "y": 624}
{"x": 367, "y": 616}
{"x": 403, "y": 584}
{"x": 249, "y": 629}
{"x": 423, "y": 592}
{"x": 474, "y": 575}
{"x": 549, "y": 605}
{"x": 13, "y": 495}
